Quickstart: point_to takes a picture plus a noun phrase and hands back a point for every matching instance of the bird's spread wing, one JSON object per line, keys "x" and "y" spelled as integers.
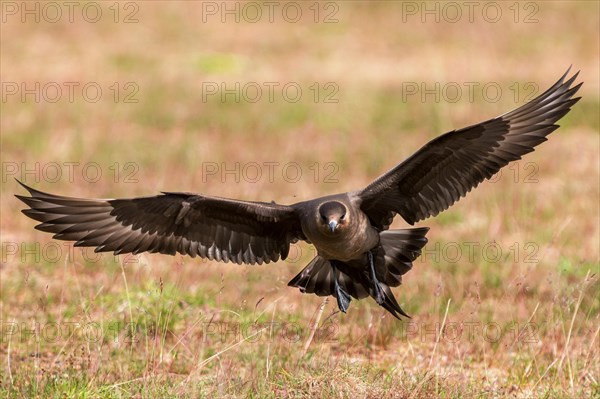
{"x": 449, "y": 166}
{"x": 215, "y": 228}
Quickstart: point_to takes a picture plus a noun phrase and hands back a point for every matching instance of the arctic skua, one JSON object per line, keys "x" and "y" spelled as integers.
{"x": 357, "y": 254}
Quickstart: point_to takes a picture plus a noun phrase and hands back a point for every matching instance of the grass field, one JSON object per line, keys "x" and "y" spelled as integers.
{"x": 127, "y": 99}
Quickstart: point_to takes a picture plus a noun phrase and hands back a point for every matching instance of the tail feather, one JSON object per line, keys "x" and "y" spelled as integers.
{"x": 390, "y": 304}
{"x": 317, "y": 278}
{"x": 353, "y": 285}
{"x": 400, "y": 248}
{"x": 394, "y": 257}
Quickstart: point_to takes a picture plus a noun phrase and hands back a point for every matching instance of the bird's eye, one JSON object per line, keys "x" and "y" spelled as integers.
{"x": 343, "y": 217}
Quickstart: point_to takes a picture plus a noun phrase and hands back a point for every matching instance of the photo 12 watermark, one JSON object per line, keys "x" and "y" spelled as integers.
{"x": 476, "y": 251}
{"x": 58, "y": 252}
{"x": 269, "y": 172}
{"x": 71, "y": 92}
{"x": 270, "y": 91}
{"x": 252, "y": 12}
{"x": 452, "y": 12}
{"x": 471, "y": 92}
{"x": 53, "y": 12}
{"x": 70, "y": 171}
{"x": 253, "y": 332}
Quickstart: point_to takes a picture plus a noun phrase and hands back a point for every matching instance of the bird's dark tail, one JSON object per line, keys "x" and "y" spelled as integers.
{"x": 399, "y": 249}
{"x": 394, "y": 257}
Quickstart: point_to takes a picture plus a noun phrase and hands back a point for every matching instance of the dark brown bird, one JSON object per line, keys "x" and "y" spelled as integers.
{"x": 357, "y": 255}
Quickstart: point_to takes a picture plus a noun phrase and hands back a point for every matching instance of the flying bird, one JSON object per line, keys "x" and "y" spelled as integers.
{"x": 357, "y": 255}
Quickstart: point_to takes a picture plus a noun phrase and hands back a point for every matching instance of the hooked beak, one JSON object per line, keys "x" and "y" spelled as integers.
{"x": 332, "y": 225}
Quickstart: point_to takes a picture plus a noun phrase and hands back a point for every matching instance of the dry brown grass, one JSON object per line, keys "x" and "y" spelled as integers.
{"x": 524, "y": 324}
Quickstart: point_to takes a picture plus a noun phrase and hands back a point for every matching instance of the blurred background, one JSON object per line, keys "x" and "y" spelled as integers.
{"x": 287, "y": 101}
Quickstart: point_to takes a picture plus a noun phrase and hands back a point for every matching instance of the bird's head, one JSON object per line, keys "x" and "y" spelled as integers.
{"x": 333, "y": 216}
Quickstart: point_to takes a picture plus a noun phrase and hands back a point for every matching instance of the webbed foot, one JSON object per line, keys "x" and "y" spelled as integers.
{"x": 343, "y": 298}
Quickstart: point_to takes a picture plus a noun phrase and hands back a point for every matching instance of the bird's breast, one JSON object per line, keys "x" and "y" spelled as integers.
{"x": 348, "y": 243}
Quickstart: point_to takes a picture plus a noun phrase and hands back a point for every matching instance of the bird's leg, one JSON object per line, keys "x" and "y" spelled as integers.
{"x": 343, "y": 298}
{"x": 379, "y": 295}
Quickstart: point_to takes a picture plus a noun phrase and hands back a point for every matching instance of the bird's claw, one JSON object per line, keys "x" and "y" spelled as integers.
{"x": 379, "y": 294}
{"x": 343, "y": 299}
